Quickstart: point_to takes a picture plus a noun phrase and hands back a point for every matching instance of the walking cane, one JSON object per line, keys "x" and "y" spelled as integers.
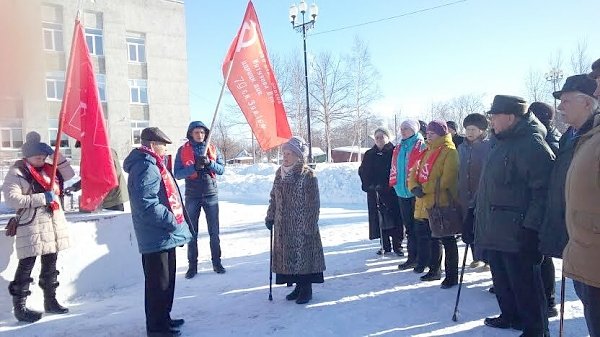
{"x": 462, "y": 273}
{"x": 562, "y": 306}
{"x": 271, "y": 267}
{"x": 381, "y": 220}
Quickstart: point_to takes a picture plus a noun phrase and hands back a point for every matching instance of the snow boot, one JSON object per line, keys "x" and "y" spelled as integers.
{"x": 192, "y": 271}
{"x": 19, "y": 293}
{"x": 501, "y": 323}
{"x": 431, "y": 276}
{"x": 305, "y": 293}
{"x": 294, "y": 294}
{"x": 407, "y": 265}
{"x": 218, "y": 268}
{"x": 49, "y": 283}
{"x": 176, "y": 323}
{"x": 449, "y": 282}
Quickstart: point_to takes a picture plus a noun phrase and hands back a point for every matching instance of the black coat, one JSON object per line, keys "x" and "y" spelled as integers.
{"x": 374, "y": 172}
{"x": 512, "y": 193}
{"x": 553, "y": 233}
{"x": 553, "y": 139}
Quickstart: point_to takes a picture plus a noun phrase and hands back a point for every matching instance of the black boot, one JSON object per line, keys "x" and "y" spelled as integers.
{"x": 449, "y": 282}
{"x": 218, "y": 268}
{"x": 49, "y": 284}
{"x": 192, "y": 270}
{"x": 407, "y": 265}
{"x": 431, "y": 276}
{"x": 19, "y": 293}
{"x": 294, "y": 294}
{"x": 305, "y": 293}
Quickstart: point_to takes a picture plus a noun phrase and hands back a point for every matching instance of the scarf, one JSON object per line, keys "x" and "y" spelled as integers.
{"x": 286, "y": 170}
{"x": 188, "y": 159}
{"x": 413, "y": 157}
{"x": 424, "y": 169}
{"x": 44, "y": 181}
{"x": 172, "y": 192}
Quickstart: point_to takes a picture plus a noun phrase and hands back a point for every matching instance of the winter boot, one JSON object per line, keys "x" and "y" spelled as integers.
{"x": 218, "y": 268}
{"x": 192, "y": 271}
{"x": 431, "y": 276}
{"x": 501, "y": 322}
{"x": 19, "y": 293}
{"x": 449, "y": 282}
{"x": 305, "y": 294}
{"x": 407, "y": 265}
{"x": 49, "y": 284}
{"x": 294, "y": 294}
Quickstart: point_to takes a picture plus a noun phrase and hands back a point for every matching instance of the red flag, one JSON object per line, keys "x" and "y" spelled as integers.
{"x": 253, "y": 85}
{"x": 82, "y": 118}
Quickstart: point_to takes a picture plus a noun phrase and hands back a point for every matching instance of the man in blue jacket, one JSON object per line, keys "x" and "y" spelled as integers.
{"x": 200, "y": 167}
{"x": 160, "y": 226}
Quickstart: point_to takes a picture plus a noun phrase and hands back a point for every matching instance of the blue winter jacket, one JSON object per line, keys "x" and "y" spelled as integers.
{"x": 204, "y": 184}
{"x": 406, "y": 145}
{"x": 154, "y": 223}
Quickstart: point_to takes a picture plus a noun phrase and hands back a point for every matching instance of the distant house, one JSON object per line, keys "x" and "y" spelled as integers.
{"x": 319, "y": 156}
{"x": 345, "y": 154}
{"x": 243, "y": 157}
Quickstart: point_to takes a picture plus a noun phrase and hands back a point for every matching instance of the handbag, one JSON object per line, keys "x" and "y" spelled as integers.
{"x": 11, "y": 227}
{"x": 444, "y": 220}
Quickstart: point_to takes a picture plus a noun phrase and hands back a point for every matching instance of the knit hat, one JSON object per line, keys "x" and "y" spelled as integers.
{"x": 452, "y": 125}
{"x": 412, "y": 124}
{"x": 477, "y": 120}
{"x": 297, "y": 145}
{"x": 544, "y": 112}
{"x": 438, "y": 126}
{"x": 33, "y": 146}
{"x": 383, "y": 130}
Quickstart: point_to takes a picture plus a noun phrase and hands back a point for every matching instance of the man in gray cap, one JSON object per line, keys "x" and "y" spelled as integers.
{"x": 509, "y": 212}
{"x": 160, "y": 225}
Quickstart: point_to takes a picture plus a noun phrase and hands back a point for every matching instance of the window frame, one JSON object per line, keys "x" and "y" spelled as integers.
{"x": 139, "y": 86}
{"x": 137, "y": 43}
{"x": 55, "y": 78}
{"x": 11, "y": 140}
{"x": 137, "y": 125}
{"x": 53, "y": 131}
{"x": 95, "y": 34}
{"x": 53, "y": 29}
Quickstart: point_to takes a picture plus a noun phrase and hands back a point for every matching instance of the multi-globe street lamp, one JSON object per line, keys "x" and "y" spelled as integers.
{"x": 303, "y": 27}
{"x": 555, "y": 75}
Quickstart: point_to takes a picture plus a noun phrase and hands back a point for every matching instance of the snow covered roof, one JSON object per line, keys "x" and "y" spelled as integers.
{"x": 351, "y": 149}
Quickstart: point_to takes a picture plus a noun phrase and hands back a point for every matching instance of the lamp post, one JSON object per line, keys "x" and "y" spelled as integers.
{"x": 303, "y": 27}
{"x": 555, "y": 75}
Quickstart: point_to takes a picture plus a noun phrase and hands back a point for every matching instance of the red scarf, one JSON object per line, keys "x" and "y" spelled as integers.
{"x": 44, "y": 181}
{"x": 188, "y": 159}
{"x": 413, "y": 157}
{"x": 424, "y": 170}
{"x": 170, "y": 187}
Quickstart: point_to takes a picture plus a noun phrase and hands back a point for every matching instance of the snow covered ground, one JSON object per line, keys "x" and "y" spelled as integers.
{"x": 363, "y": 294}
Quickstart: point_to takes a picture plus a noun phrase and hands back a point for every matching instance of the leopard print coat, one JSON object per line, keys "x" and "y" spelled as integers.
{"x": 294, "y": 208}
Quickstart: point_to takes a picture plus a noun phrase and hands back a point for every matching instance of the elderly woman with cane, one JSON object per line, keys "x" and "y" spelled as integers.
{"x": 293, "y": 215}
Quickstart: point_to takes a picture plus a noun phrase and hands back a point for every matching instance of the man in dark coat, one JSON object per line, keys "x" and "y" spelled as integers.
{"x": 509, "y": 212}
{"x": 456, "y": 138}
{"x": 374, "y": 173}
{"x": 160, "y": 226}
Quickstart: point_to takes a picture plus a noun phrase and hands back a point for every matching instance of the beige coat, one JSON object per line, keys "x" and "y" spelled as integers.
{"x": 294, "y": 207}
{"x": 39, "y": 232}
{"x": 582, "y": 194}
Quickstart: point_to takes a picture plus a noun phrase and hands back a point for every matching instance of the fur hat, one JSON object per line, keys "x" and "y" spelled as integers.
{"x": 33, "y": 146}
{"x": 383, "y": 130}
{"x": 544, "y": 112}
{"x": 297, "y": 145}
{"x": 438, "y": 126}
{"x": 412, "y": 124}
{"x": 477, "y": 120}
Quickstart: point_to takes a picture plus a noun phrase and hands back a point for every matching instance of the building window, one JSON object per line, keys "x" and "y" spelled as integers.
{"x": 136, "y": 131}
{"x": 101, "y": 82}
{"x": 11, "y": 138}
{"x": 53, "y": 132}
{"x": 55, "y": 86}
{"x": 138, "y": 91}
{"x": 136, "y": 49}
{"x": 93, "y": 38}
{"x": 53, "y": 36}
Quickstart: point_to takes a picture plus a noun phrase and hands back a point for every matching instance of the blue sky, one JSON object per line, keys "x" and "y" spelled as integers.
{"x": 476, "y": 46}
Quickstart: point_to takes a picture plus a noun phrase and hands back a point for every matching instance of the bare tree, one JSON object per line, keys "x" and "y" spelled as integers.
{"x": 224, "y": 141}
{"x": 464, "y": 105}
{"x": 364, "y": 88}
{"x": 580, "y": 63}
{"x": 536, "y": 85}
{"x": 438, "y": 110}
{"x": 329, "y": 90}
{"x": 294, "y": 94}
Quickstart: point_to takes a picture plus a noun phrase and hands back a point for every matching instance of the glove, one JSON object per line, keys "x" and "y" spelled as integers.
{"x": 201, "y": 162}
{"x": 50, "y": 197}
{"x": 69, "y": 191}
{"x": 418, "y": 192}
{"x": 269, "y": 224}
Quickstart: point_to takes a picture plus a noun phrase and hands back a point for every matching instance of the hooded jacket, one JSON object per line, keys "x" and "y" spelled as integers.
{"x": 204, "y": 184}
{"x": 512, "y": 192}
{"x": 155, "y": 226}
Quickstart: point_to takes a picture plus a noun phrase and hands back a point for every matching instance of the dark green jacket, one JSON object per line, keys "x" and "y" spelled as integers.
{"x": 512, "y": 193}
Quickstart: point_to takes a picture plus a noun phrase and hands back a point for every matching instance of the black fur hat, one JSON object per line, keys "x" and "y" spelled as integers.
{"x": 478, "y": 120}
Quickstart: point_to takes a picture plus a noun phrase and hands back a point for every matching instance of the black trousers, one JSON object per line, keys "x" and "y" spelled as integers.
{"x": 450, "y": 256}
{"x": 407, "y": 211}
{"x": 392, "y": 238}
{"x": 48, "y": 271}
{"x": 425, "y": 243}
{"x": 590, "y": 297}
{"x": 548, "y": 277}
{"x": 159, "y": 273}
{"x": 519, "y": 290}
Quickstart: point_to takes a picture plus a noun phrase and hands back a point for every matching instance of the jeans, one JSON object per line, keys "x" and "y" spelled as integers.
{"x": 407, "y": 210}
{"x": 590, "y": 297}
{"x": 194, "y": 206}
{"x": 159, "y": 274}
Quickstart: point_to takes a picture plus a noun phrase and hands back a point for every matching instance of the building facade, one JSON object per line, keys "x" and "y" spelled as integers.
{"x": 138, "y": 48}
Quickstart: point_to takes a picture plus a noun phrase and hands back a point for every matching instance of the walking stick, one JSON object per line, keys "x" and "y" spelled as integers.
{"x": 460, "y": 282}
{"x": 562, "y": 306}
{"x": 381, "y": 220}
{"x": 271, "y": 267}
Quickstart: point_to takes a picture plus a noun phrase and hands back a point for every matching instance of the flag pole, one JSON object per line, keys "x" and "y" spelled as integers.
{"x": 61, "y": 116}
{"x": 212, "y": 123}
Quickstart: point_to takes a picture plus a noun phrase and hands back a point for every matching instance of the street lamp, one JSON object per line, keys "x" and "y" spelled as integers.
{"x": 555, "y": 75}
{"x": 303, "y": 27}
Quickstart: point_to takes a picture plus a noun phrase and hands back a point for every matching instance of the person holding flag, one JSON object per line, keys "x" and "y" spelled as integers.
{"x": 160, "y": 226}
{"x": 40, "y": 227}
{"x": 199, "y": 163}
